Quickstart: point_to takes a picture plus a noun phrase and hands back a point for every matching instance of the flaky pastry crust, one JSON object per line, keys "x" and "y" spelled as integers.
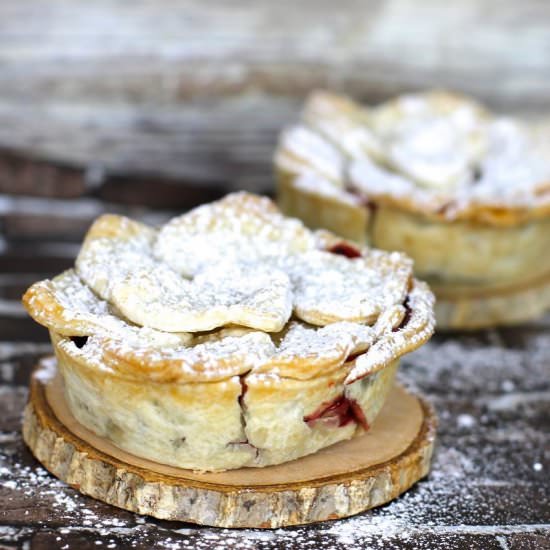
{"x": 232, "y": 336}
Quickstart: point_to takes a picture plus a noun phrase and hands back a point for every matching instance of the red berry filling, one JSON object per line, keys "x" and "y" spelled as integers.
{"x": 345, "y": 249}
{"x": 244, "y": 389}
{"x": 339, "y": 412}
{"x": 358, "y": 414}
{"x": 354, "y": 356}
{"x": 406, "y": 317}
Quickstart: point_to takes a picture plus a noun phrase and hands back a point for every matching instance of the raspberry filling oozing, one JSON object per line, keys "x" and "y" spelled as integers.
{"x": 339, "y": 412}
{"x": 345, "y": 249}
{"x": 244, "y": 389}
{"x": 406, "y": 317}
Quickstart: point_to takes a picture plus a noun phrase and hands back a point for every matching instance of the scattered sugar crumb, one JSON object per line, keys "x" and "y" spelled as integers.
{"x": 465, "y": 421}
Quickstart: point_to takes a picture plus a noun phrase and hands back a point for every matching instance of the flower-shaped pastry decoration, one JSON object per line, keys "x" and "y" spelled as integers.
{"x": 229, "y": 288}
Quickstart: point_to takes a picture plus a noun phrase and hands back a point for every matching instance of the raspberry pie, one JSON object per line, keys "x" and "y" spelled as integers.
{"x": 464, "y": 193}
{"x": 232, "y": 336}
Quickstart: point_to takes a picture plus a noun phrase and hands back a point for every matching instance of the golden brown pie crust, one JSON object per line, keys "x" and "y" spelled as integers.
{"x": 233, "y": 395}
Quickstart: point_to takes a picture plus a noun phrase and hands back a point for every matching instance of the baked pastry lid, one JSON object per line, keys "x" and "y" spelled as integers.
{"x": 84, "y": 306}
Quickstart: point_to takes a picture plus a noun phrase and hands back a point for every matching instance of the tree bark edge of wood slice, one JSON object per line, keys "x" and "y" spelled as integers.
{"x": 142, "y": 490}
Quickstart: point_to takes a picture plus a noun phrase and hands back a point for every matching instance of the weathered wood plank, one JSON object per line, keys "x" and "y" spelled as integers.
{"x": 526, "y": 541}
{"x": 12, "y": 400}
{"x": 21, "y": 329}
{"x": 158, "y": 191}
{"x": 59, "y": 220}
{"x": 31, "y": 257}
{"x": 196, "y": 93}
{"x": 143, "y": 538}
{"x": 18, "y": 359}
{"x": 194, "y": 150}
{"x": 482, "y": 363}
{"x": 158, "y": 51}
{"x": 22, "y": 174}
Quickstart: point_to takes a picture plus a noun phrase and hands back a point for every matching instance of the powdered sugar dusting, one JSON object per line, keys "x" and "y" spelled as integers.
{"x": 391, "y": 345}
{"x": 305, "y": 148}
{"x": 145, "y": 298}
{"x": 68, "y": 306}
{"x": 240, "y": 229}
{"x": 225, "y": 294}
{"x": 434, "y": 153}
{"x": 313, "y": 183}
{"x": 304, "y": 351}
{"x": 329, "y": 287}
{"x": 248, "y": 266}
{"x": 342, "y": 124}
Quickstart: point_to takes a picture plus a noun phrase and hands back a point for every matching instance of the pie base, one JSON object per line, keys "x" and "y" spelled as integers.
{"x": 216, "y": 426}
{"x": 503, "y": 307}
{"x": 339, "y": 481}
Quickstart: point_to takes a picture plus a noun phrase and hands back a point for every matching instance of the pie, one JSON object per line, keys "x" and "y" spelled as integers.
{"x": 464, "y": 193}
{"x": 232, "y": 336}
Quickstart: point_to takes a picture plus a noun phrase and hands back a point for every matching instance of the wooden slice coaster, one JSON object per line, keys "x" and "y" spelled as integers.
{"x": 336, "y": 482}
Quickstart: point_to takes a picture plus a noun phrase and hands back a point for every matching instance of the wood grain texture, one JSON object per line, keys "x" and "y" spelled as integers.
{"x": 317, "y": 491}
{"x": 158, "y": 51}
{"x": 195, "y": 93}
